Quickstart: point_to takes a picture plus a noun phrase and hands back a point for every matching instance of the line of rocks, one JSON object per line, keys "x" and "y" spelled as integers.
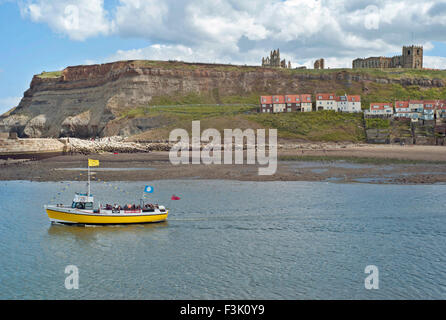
{"x": 119, "y": 144}
{"x": 110, "y": 144}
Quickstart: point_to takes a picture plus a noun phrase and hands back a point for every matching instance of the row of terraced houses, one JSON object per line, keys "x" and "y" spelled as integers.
{"x": 304, "y": 103}
{"x": 414, "y": 110}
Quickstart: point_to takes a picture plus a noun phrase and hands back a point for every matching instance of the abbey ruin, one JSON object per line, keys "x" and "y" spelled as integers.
{"x": 274, "y": 61}
{"x": 319, "y": 64}
{"x": 412, "y": 58}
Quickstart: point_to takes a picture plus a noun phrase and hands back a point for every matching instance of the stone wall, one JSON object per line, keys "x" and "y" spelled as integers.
{"x": 11, "y": 148}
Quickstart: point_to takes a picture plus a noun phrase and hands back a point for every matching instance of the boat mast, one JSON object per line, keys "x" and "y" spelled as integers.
{"x": 88, "y": 194}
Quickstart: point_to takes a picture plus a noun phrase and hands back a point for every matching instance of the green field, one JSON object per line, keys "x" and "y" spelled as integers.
{"x": 51, "y": 74}
{"x": 312, "y": 126}
{"x": 375, "y": 123}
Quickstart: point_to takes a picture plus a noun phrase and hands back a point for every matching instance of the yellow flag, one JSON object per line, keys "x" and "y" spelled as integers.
{"x": 93, "y": 163}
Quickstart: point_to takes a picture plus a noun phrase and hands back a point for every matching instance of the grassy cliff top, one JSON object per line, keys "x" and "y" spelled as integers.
{"x": 50, "y": 74}
{"x": 374, "y": 73}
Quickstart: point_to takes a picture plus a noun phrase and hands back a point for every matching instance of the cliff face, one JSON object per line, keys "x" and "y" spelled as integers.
{"x": 82, "y": 101}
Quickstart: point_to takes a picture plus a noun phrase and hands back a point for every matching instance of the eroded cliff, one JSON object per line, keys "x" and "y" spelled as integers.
{"x": 92, "y": 100}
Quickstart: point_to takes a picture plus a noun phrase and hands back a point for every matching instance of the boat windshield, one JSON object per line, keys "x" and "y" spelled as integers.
{"x": 82, "y": 205}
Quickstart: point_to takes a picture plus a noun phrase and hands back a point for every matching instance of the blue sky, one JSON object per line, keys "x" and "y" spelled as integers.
{"x": 35, "y": 36}
{"x": 30, "y": 48}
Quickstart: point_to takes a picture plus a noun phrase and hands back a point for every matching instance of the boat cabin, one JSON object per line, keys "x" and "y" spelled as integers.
{"x": 82, "y": 201}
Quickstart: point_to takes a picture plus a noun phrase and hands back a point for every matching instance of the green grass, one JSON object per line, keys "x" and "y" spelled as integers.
{"x": 51, "y": 74}
{"x": 190, "y": 112}
{"x": 376, "y": 123}
{"x": 314, "y": 126}
{"x": 212, "y": 97}
{"x": 377, "y": 73}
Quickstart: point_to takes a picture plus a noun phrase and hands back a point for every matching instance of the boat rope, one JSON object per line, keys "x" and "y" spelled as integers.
{"x": 67, "y": 184}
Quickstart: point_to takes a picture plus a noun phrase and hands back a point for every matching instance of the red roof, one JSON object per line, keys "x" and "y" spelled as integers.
{"x": 354, "y": 98}
{"x": 306, "y": 97}
{"x": 402, "y": 104}
{"x": 416, "y": 101}
{"x": 429, "y": 104}
{"x": 266, "y": 99}
{"x": 278, "y": 99}
{"x": 380, "y": 106}
{"x": 325, "y": 96}
{"x": 292, "y": 98}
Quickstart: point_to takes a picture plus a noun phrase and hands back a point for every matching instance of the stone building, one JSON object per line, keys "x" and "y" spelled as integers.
{"x": 319, "y": 64}
{"x": 411, "y": 58}
{"x": 274, "y": 61}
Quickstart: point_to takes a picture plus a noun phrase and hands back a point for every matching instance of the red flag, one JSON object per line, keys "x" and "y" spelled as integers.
{"x": 174, "y": 197}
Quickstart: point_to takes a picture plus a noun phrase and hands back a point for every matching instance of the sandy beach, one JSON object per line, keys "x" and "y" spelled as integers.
{"x": 308, "y": 162}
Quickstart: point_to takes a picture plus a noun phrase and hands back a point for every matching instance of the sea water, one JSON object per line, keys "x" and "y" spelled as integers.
{"x": 229, "y": 240}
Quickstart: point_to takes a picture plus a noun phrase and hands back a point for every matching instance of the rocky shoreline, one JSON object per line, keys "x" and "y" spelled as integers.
{"x": 122, "y": 145}
{"x": 112, "y": 144}
{"x": 337, "y": 163}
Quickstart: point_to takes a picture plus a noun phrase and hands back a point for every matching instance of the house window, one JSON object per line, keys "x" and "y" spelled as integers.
{"x": 289, "y": 109}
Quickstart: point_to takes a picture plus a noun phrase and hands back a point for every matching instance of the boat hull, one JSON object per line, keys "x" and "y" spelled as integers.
{"x": 59, "y": 216}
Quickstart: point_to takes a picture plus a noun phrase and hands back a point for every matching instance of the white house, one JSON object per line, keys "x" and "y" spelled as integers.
{"x": 416, "y": 106}
{"x": 306, "y": 102}
{"x": 326, "y": 101}
{"x": 348, "y": 103}
{"x": 429, "y": 109}
{"x": 278, "y": 104}
{"x": 406, "y": 110}
{"x": 381, "y": 109}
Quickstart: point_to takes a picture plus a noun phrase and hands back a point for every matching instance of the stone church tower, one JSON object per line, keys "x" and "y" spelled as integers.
{"x": 413, "y": 57}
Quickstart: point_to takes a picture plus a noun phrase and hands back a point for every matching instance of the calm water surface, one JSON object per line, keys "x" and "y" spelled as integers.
{"x": 231, "y": 240}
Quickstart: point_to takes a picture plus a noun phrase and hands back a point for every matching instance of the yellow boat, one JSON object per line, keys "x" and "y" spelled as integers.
{"x": 82, "y": 211}
{"x": 74, "y": 215}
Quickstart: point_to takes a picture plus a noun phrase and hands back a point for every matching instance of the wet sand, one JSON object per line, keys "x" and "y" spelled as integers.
{"x": 335, "y": 163}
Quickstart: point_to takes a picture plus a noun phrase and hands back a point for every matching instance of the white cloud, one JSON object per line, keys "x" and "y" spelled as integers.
{"x": 8, "y": 103}
{"x": 242, "y": 31}
{"x": 433, "y": 62}
{"x": 78, "y": 19}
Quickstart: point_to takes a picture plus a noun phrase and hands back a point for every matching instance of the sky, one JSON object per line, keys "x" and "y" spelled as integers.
{"x": 48, "y": 35}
